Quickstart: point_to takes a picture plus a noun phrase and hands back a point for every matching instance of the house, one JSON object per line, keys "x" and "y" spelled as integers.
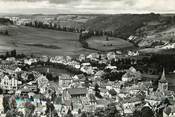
{"x": 75, "y": 93}
{"x": 65, "y": 80}
{"x": 29, "y": 88}
{"x": 12, "y": 59}
{"x": 168, "y": 46}
{"x": 29, "y": 61}
{"x": 10, "y": 83}
{"x": 131, "y": 74}
{"x": 111, "y": 55}
{"x": 92, "y": 99}
{"x": 132, "y": 37}
{"x": 129, "y": 104}
{"x": 93, "y": 56}
{"x": 99, "y": 74}
{"x": 44, "y": 58}
{"x": 152, "y": 100}
{"x": 18, "y": 69}
{"x": 79, "y": 76}
{"x": 169, "y": 111}
{"x": 82, "y": 57}
{"x": 68, "y": 58}
{"x": 102, "y": 103}
{"x": 109, "y": 66}
{"x": 42, "y": 83}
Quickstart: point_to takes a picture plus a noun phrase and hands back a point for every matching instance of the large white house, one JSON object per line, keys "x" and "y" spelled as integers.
{"x": 9, "y": 83}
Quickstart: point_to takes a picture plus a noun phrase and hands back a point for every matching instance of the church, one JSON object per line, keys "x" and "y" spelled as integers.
{"x": 163, "y": 83}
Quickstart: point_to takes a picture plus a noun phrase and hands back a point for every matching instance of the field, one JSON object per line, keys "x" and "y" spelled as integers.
{"x": 36, "y": 41}
{"x": 29, "y": 40}
{"x": 101, "y": 43}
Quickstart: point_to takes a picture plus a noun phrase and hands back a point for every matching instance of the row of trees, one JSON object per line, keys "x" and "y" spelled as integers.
{"x": 4, "y": 32}
{"x": 53, "y": 26}
{"x": 12, "y": 53}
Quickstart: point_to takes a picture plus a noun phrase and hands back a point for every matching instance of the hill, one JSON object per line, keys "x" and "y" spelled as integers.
{"x": 122, "y": 25}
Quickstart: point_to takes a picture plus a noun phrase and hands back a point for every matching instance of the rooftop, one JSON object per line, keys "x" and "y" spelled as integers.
{"x": 77, "y": 91}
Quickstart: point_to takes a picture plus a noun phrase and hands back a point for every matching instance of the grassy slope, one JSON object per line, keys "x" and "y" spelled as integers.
{"x": 31, "y": 40}
{"x": 101, "y": 43}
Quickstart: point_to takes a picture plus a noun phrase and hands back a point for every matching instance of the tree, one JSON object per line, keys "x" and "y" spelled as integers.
{"x": 7, "y": 54}
{"x": 29, "y": 108}
{"x": 12, "y": 102}
{"x": 31, "y": 77}
{"x": 107, "y": 39}
{"x": 97, "y": 91}
{"x": 1, "y": 91}
{"x": 6, "y": 32}
{"x": 111, "y": 111}
{"x": 11, "y": 113}
{"x": 97, "y": 88}
{"x": 69, "y": 114}
{"x": 13, "y": 53}
{"x": 6, "y": 103}
{"x": 136, "y": 113}
{"x": 147, "y": 112}
{"x": 49, "y": 76}
{"x": 86, "y": 82}
{"x": 99, "y": 112}
{"x": 166, "y": 101}
{"x": 79, "y": 111}
{"x": 83, "y": 114}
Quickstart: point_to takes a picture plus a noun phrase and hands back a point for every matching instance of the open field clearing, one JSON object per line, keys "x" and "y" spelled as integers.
{"x": 104, "y": 44}
{"x": 41, "y": 41}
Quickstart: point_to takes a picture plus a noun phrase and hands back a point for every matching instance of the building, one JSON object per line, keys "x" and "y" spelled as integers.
{"x": 131, "y": 74}
{"x": 163, "y": 83}
{"x": 42, "y": 83}
{"x": 65, "y": 80}
{"x": 72, "y": 93}
{"x": 8, "y": 83}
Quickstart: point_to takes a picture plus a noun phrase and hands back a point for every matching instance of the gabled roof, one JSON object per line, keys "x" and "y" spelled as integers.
{"x": 77, "y": 91}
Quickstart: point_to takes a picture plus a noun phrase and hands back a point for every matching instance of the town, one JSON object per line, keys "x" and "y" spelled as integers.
{"x": 87, "y": 58}
{"x": 95, "y": 85}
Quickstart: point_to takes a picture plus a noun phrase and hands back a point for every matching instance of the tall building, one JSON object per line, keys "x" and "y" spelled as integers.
{"x": 163, "y": 83}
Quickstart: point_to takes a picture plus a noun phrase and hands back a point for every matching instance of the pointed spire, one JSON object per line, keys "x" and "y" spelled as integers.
{"x": 48, "y": 70}
{"x": 163, "y": 78}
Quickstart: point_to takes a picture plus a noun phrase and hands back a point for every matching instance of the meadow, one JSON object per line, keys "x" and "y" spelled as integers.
{"x": 29, "y": 40}
{"x": 37, "y": 41}
{"x": 104, "y": 44}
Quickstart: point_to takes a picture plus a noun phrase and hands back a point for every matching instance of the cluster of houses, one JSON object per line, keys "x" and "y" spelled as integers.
{"x": 78, "y": 92}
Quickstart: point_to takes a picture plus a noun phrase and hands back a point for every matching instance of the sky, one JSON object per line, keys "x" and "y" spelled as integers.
{"x": 86, "y": 6}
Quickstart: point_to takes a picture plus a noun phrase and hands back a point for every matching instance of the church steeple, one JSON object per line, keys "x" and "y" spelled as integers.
{"x": 163, "y": 78}
{"x": 163, "y": 83}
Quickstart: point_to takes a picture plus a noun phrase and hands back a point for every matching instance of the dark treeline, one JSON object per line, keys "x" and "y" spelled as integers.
{"x": 155, "y": 63}
{"x": 53, "y": 26}
{"x": 12, "y": 53}
{"x": 4, "y": 32}
{"x": 5, "y": 21}
{"x": 152, "y": 65}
